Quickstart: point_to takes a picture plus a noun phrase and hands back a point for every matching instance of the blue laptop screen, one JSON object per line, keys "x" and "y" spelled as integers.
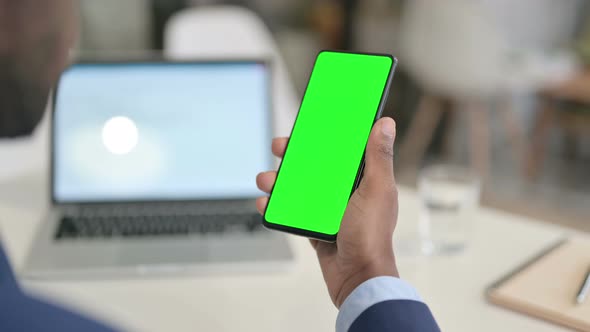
{"x": 160, "y": 131}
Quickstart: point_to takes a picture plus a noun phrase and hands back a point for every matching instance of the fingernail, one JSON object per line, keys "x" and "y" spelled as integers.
{"x": 388, "y": 128}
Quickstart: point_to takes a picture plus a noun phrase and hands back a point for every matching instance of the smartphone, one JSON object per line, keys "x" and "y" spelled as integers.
{"x": 324, "y": 158}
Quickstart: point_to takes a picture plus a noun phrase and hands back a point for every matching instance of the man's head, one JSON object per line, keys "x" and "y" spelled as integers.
{"x": 35, "y": 39}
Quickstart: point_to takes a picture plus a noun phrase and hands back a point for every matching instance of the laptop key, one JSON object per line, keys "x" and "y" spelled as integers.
{"x": 108, "y": 226}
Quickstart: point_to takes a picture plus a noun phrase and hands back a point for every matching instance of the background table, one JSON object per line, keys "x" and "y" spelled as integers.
{"x": 287, "y": 301}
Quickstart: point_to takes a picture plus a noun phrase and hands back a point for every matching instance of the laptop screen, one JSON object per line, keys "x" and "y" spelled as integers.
{"x": 161, "y": 131}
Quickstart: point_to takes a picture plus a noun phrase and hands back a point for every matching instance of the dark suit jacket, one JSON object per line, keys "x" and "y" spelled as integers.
{"x": 20, "y": 312}
{"x": 396, "y": 315}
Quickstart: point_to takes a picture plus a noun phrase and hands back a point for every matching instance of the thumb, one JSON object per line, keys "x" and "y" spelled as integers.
{"x": 378, "y": 174}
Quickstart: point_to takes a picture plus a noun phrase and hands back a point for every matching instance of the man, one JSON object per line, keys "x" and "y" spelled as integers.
{"x": 359, "y": 270}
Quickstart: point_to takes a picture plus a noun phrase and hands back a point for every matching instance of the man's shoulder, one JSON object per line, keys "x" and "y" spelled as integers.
{"x": 22, "y": 312}
{"x": 25, "y": 313}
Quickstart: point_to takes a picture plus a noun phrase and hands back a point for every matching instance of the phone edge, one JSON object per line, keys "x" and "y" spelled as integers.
{"x": 384, "y": 97}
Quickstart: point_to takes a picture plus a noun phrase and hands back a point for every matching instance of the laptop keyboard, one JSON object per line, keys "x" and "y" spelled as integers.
{"x": 156, "y": 225}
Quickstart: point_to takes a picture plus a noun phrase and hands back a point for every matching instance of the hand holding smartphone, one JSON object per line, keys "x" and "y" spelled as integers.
{"x": 324, "y": 157}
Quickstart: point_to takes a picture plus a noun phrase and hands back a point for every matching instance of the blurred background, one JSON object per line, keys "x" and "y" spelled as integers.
{"x": 498, "y": 85}
{"x": 499, "y": 88}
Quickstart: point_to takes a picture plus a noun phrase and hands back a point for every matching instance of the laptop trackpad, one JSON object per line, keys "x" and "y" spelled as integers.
{"x": 104, "y": 258}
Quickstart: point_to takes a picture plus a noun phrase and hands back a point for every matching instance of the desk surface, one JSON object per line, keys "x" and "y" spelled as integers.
{"x": 289, "y": 301}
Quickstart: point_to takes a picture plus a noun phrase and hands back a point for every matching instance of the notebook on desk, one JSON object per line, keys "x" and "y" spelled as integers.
{"x": 546, "y": 286}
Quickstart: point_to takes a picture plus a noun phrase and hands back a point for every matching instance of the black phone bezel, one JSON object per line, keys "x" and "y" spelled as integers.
{"x": 384, "y": 96}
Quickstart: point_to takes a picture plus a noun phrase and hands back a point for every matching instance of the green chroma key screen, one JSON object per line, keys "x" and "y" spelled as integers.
{"x": 328, "y": 141}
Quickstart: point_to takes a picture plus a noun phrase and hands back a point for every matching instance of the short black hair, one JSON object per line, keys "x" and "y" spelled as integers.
{"x": 29, "y": 38}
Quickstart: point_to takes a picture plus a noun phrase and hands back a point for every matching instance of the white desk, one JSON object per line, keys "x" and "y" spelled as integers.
{"x": 295, "y": 301}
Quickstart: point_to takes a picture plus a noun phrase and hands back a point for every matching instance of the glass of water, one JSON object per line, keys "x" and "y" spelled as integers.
{"x": 449, "y": 195}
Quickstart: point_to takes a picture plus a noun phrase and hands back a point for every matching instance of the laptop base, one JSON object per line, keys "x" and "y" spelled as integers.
{"x": 101, "y": 258}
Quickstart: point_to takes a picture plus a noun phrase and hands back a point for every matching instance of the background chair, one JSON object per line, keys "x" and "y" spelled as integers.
{"x": 473, "y": 53}
{"x": 565, "y": 107}
{"x": 233, "y": 32}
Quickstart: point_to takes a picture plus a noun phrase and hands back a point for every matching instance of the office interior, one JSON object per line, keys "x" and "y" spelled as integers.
{"x": 521, "y": 65}
{"x": 501, "y": 87}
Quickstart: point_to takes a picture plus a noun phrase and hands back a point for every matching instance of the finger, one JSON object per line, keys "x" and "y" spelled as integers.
{"x": 324, "y": 250}
{"x": 279, "y": 145}
{"x": 314, "y": 243}
{"x": 266, "y": 180}
{"x": 261, "y": 203}
{"x": 378, "y": 173}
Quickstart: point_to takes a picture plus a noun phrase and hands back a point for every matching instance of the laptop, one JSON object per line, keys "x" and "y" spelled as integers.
{"x": 153, "y": 169}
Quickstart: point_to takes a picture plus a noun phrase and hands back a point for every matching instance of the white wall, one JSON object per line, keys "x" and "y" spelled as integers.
{"x": 111, "y": 25}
